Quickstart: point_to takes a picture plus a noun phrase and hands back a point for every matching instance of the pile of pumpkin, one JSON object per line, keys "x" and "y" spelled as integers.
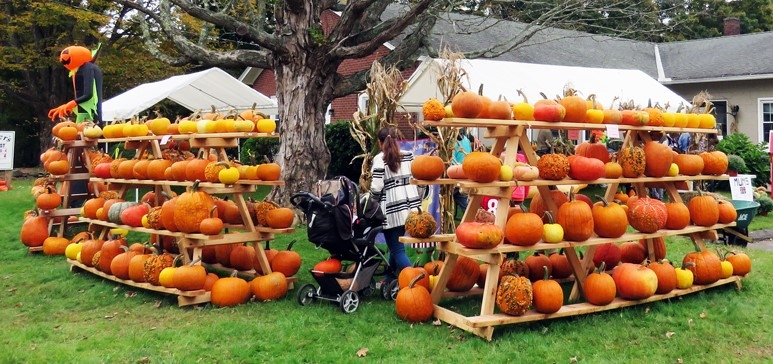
{"x": 570, "y": 108}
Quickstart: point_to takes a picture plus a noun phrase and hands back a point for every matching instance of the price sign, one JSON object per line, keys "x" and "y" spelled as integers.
{"x": 741, "y": 187}
{"x": 6, "y": 150}
{"x": 613, "y": 131}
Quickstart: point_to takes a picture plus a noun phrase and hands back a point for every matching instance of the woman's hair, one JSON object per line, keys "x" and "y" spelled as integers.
{"x": 392, "y": 156}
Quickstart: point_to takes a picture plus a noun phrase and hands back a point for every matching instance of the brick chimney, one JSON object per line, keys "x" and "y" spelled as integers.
{"x": 732, "y": 26}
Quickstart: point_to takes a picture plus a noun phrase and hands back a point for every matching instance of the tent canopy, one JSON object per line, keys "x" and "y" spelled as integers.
{"x": 200, "y": 90}
{"x": 506, "y": 78}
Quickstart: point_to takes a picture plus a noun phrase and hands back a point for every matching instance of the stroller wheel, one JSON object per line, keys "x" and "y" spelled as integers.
{"x": 349, "y": 301}
{"x": 306, "y": 294}
{"x": 389, "y": 290}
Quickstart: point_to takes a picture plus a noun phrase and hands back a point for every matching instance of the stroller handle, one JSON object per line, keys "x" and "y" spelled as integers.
{"x": 308, "y": 198}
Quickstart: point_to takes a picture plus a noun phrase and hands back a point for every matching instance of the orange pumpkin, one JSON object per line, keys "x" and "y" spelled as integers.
{"x": 268, "y": 287}
{"x": 464, "y": 275}
{"x": 230, "y": 291}
{"x": 689, "y": 164}
{"x": 524, "y": 229}
{"x": 427, "y": 167}
{"x": 646, "y": 214}
{"x": 481, "y": 167}
{"x": 553, "y": 166}
{"x": 576, "y": 107}
{"x": 548, "y": 296}
{"x": 478, "y": 235}
{"x": 599, "y": 288}
{"x": 609, "y": 219}
{"x": 466, "y": 104}
{"x": 727, "y": 212}
{"x": 714, "y": 163}
{"x": 677, "y": 215}
{"x": 593, "y": 149}
{"x": 706, "y": 267}
{"x": 704, "y": 210}
{"x": 34, "y": 230}
{"x": 286, "y": 261}
{"x": 191, "y": 208}
{"x": 538, "y": 205}
{"x": 658, "y": 159}
{"x": 666, "y": 276}
{"x": 576, "y": 218}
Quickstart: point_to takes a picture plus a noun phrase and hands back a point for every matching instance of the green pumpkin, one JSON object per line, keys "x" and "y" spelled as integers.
{"x": 114, "y": 213}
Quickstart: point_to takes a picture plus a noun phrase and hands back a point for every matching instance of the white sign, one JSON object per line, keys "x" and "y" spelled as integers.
{"x": 6, "y": 150}
{"x": 613, "y": 131}
{"x": 741, "y": 187}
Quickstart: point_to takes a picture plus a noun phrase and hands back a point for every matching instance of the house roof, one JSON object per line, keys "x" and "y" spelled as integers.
{"x": 195, "y": 91}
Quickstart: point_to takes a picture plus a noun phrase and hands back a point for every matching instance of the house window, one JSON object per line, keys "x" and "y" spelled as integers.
{"x": 720, "y": 113}
{"x": 766, "y": 105}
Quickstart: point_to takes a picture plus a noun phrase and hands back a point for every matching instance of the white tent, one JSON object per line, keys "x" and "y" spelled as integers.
{"x": 505, "y": 78}
{"x": 200, "y": 90}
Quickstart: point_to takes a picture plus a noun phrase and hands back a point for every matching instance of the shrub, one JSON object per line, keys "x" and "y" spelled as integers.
{"x": 258, "y": 150}
{"x": 756, "y": 156}
{"x": 343, "y": 148}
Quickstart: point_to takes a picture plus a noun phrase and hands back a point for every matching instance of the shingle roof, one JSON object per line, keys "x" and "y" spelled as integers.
{"x": 726, "y": 57}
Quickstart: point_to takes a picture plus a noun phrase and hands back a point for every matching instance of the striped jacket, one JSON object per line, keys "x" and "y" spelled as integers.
{"x": 394, "y": 191}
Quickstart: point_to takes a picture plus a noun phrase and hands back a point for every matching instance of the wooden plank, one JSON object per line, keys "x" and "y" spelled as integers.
{"x": 241, "y": 186}
{"x": 585, "y": 308}
{"x": 493, "y": 123}
{"x": 75, "y": 266}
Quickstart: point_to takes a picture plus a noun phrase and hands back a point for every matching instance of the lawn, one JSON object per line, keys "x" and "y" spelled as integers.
{"x": 51, "y": 314}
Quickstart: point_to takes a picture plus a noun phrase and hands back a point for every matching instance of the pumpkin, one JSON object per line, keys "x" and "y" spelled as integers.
{"x": 34, "y": 230}
{"x": 607, "y": 254}
{"x": 548, "y": 296}
{"x": 154, "y": 265}
{"x": 613, "y": 170}
{"x": 677, "y": 215}
{"x": 195, "y": 169}
{"x": 576, "y": 218}
{"x": 634, "y": 281}
{"x": 178, "y": 170}
{"x": 632, "y": 252}
{"x": 481, "y": 167}
{"x": 230, "y": 291}
{"x": 55, "y": 245}
{"x": 609, "y": 219}
{"x": 552, "y": 232}
{"x": 538, "y": 205}
{"x": 513, "y": 266}
{"x": 466, "y": 104}
{"x": 714, "y": 163}
{"x": 212, "y": 225}
{"x": 140, "y": 169}
{"x": 727, "y": 212}
{"x": 514, "y": 295}
{"x": 269, "y": 172}
{"x": 646, "y": 214}
{"x": 137, "y": 267}
{"x": 593, "y": 149}
{"x": 261, "y": 211}
{"x": 433, "y": 110}
{"x": 525, "y": 172}
{"x": 90, "y": 207}
{"x": 427, "y": 167}
{"x": 119, "y": 266}
{"x": 576, "y": 106}
{"x": 632, "y": 160}
{"x": 684, "y": 276}
{"x": 286, "y": 261}
{"x": 167, "y": 215}
{"x": 666, "y": 274}
{"x": 658, "y": 159}
{"x": 115, "y": 209}
{"x": 414, "y": 303}
{"x": 280, "y": 218}
{"x": 456, "y": 171}
{"x": 191, "y": 208}
{"x": 90, "y": 248}
{"x": 58, "y": 167}
{"x": 658, "y": 247}
{"x": 210, "y": 281}
{"x": 133, "y": 214}
{"x": 706, "y": 266}
{"x": 223, "y": 253}
{"x": 704, "y": 210}
{"x": 464, "y": 275}
{"x": 228, "y": 211}
{"x": 741, "y": 262}
{"x": 585, "y": 168}
{"x": 409, "y": 274}
{"x": 48, "y": 200}
{"x": 154, "y": 218}
{"x": 109, "y": 250}
{"x": 689, "y": 164}
{"x": 478, "y": 235}
{"x": 553, "y": 166}
{"x": 330, "y": 265}
{"x": 524, "y": 229}
{"x": 599, "y": 287}
{"x": 242, "y": 257}
{"x": 271, "y": 286}
{"x": 420, "y": 224}
{"x": 536, "y": 262}
{"x": 189, "y": 277}
{"x": 560, "y": 266}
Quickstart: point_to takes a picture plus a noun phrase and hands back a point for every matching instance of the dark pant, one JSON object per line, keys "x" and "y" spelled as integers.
{"x": 397, "y": 257}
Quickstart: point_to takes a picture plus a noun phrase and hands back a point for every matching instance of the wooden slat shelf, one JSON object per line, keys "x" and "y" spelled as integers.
{"x": 258, "y": 234}
{"x": 183, "y": 137}
{"x": 241, "y": 186}
{"x": 184, "y": 298}
{"x": 510, "y": 137}
{"x": 576, "y": 308}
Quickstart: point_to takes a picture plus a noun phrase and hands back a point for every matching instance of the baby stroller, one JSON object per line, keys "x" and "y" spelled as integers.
{"x": 346, "y": 225}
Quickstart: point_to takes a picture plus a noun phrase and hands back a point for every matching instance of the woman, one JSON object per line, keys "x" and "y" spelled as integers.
{"x": 391, "y": 185}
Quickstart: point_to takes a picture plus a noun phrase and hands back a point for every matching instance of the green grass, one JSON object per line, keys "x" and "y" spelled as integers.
{"x": 52, "y": 315}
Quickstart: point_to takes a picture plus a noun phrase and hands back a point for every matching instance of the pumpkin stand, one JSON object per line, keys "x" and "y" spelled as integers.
{"x": 512, "y": 133}
{"x": 192, "y": 243}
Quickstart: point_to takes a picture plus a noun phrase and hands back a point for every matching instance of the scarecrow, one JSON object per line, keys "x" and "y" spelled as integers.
{"x": 87, "y": 84}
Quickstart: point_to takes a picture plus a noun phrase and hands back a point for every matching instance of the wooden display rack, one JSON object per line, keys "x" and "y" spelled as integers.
{"x": 510, "y": 135}
{"x": 79, "y": 171}
{"x": 215, "y": 143}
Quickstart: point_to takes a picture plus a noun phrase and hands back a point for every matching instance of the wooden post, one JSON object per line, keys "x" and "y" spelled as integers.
{"x": 7, "y": 178}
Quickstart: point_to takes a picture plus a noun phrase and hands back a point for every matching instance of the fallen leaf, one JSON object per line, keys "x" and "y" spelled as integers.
{"x": 437, "y": 323}
{"x": 116, "y": 288}
{"x": 679, "y": 360}
{"x": 689, "y": 322}
{"x": 109, "y": 316}
{"x": 157, "y": 304}
{"x": 57, "y": 327}
{"x": 11, "y": 290}
{"x": 152, "y": 328}
{"x": 573, "y": 359}
{"x": 144, "y": 359}
{"x": 646, "y": 310}
{"x": 362, "y": 352}
{"x": 669, "y": 334}
{"x": 703, "y": 315}
{"x": 130, "y": 294}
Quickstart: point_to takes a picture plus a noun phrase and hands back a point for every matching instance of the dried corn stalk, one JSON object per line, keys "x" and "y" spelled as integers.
{"x": 384, "y": 90}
